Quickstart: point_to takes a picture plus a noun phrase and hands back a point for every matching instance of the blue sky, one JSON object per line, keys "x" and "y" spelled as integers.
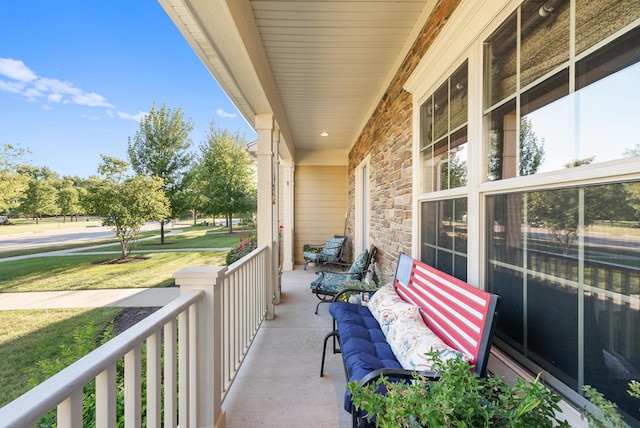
{"x": 76, "y": 76}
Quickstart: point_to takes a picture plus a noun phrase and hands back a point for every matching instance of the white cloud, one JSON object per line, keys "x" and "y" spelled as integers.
{"x": 223, "y": 113}
{"x": 16, "y": 70}
{"x": 13, "y": 87}
{"x": 54, "y": 98}
{"x": 137, "y": 117}
{"x": 25, "y": 82}
{"x": 91, "y": 99}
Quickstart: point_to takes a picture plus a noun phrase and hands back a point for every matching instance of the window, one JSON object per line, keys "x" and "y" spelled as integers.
{"x": 564, "y": 262}
{"x": 443, "y": 134}
{"x": 564, "y": 258}
{"x": 444, "y": 236}
{"x": 544, "y": 109}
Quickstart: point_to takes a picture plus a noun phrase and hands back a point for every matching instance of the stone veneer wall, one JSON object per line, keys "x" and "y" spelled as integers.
{"x": 387, "y": 136}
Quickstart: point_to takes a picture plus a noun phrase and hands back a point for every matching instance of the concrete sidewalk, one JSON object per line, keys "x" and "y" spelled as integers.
{"x": 122, "y": 297}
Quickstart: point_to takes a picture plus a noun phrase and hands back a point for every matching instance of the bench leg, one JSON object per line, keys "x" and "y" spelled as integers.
{"x": 333, "y": 334}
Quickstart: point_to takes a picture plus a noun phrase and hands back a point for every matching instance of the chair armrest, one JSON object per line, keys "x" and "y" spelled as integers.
{"x": 313, "y": 246}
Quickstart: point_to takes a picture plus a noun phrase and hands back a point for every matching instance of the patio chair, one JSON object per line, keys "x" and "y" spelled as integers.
{"x": 327, "y": 284}
{"x": 330, "y": 253}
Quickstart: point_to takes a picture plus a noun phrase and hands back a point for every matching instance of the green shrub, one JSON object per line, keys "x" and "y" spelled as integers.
{"x": 247, "y": 244}
{"x": 84, "y": 342}
{"x": 458, "y": 399}
{"x": 604, "y": 413}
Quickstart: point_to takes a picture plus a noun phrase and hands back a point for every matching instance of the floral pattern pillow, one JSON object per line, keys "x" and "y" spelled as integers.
{"x": 411, "y": 340}
{"x": 386, "y": 306}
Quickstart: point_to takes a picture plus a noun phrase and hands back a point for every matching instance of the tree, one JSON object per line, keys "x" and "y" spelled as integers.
{"x": 41, "y": 195}
{"x": 126, "y": 203}
{"x": 557, "y": 210}
{"x": 226, "y": 175}
{"x": 13, "y": 183}
{"x": 531, "y": 151}
{"x": 631, "y": 152}
{"x": 68, "y": 199}
{"x": 560, "y": 211}
{"x": 160, "y": 148}
{"x": 191, "y": 197}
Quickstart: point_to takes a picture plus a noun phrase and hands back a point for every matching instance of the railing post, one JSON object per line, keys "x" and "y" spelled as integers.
{"x": 208, "y": 370}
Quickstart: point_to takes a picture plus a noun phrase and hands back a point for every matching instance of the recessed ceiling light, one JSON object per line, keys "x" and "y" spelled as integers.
{"x": 324, "y": 134}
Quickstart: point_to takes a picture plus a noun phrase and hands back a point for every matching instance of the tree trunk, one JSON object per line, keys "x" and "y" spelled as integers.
{"x": 195, "y": 217}
{"x": 162, "y": 232}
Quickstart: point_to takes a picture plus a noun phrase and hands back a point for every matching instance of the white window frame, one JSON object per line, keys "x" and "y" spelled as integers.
{"x": 362, "y": 205}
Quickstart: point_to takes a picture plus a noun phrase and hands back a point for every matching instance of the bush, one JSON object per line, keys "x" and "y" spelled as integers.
{"x": 85, "y": 340}
{"x": 458, "y": 399}
{"x": 246, "y": 244}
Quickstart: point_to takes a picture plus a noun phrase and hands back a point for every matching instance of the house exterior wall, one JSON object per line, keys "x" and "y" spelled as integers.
{"x": 320, "y": 205}
{"x": 575, "y": 322}
{"x": 387, "y": 138}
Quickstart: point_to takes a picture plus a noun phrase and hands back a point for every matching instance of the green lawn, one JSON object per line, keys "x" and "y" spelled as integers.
{"x": 87, "y": 272}
{"x": 195, "y": 237}
{"x": 27, "y": 337}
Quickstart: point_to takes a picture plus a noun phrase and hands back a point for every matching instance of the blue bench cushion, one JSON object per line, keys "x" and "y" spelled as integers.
{"x": 362, "y": 342}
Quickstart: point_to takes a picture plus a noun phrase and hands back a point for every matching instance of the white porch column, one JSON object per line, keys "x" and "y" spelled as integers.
{"x": 207, "y": 375}
{"x": 267, "y": 197}
{"x": 276, "y": 214}
{"x": 287, "y": 215}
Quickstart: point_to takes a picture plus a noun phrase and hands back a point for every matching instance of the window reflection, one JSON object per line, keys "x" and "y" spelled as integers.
{"x": 443, "y": 134}
{"x": 567, "y": 119}
{"x": 544, "y": 39}
{"x": 444, "y": 236}
{"x": 565, "y": 263}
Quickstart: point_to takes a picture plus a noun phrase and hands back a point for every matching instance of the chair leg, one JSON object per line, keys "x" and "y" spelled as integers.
{"x": 324, "y": 298}
{"x": 333, "y": 334}
{"x": 318, "y": 305}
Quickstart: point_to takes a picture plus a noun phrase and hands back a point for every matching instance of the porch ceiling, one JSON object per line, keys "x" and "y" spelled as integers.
{"x": 316, "y": 65}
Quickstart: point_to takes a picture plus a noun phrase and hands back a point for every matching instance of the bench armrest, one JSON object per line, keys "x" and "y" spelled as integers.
{"x": 351, "y": 290}
{"x": 374, "y": 375}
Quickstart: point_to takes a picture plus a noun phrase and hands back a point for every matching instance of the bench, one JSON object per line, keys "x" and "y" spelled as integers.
{"x": 388, "y": 337}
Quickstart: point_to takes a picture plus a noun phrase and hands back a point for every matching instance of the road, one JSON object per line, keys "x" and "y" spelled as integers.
{"x": 54, "y": 237}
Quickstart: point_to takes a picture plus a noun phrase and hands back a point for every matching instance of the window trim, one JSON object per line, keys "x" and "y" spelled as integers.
{"x": 362, "y": 235}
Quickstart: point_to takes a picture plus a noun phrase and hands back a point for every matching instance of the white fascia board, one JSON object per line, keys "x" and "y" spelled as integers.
{"x": 211, "y": 33}
{"x": 225, "y": 37}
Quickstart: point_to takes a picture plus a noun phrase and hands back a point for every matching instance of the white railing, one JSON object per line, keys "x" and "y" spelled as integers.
{"x": 244, "y": 306}
{"x": 194, "y": 347}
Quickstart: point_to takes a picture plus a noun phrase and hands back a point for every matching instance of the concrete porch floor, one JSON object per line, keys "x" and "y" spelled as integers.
{"x": 279, "y": 383}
